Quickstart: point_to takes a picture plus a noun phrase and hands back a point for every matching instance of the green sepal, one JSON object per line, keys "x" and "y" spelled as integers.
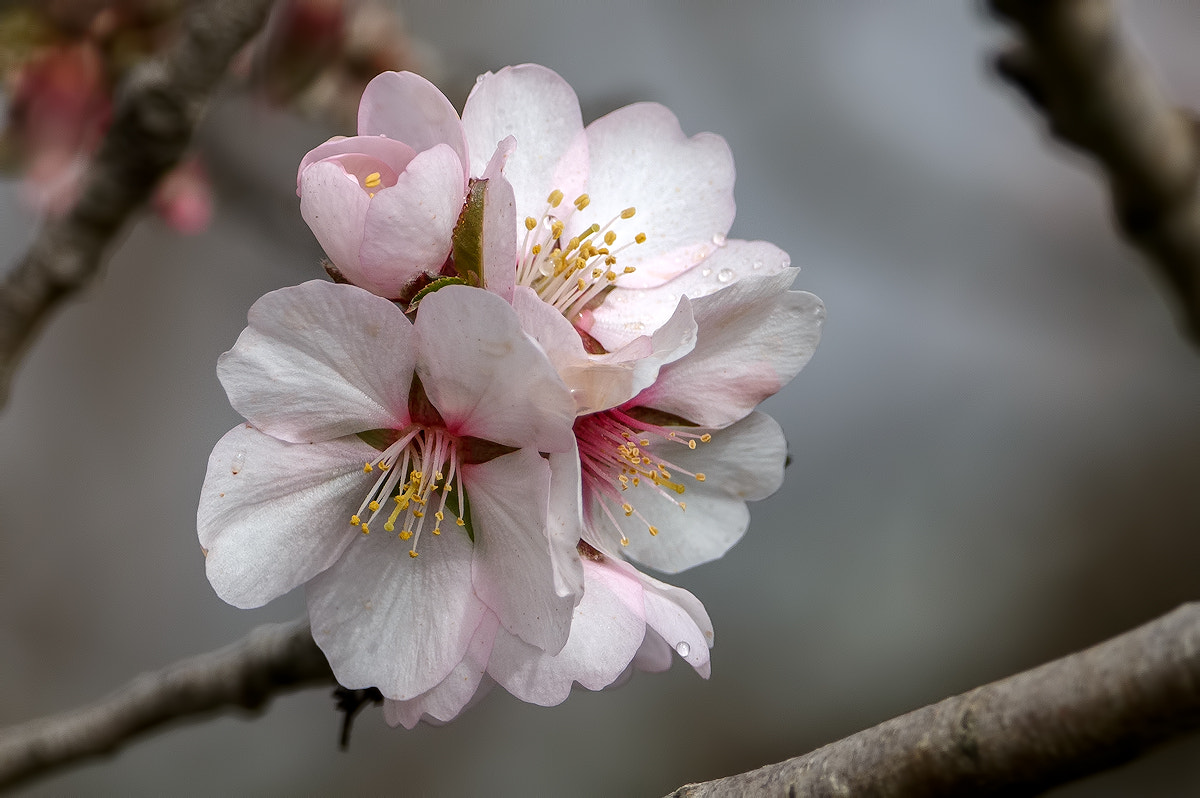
{"x": 468, "y": 235}
{"x": 440, "y": 282}
{"x": 379, "y": 439}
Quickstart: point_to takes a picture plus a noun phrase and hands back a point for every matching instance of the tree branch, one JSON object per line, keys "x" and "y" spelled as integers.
{"x": 1083, "y": 74}
{"x": 246, "y": 675}
{"x": 152, "y": 125}
{"x": 1068, "y": 718}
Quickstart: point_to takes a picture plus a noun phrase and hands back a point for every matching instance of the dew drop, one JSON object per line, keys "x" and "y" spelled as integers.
{"x": 683, "y": 648}
{"x": 758, "y": 264}
{"x": 725, "y": 275}
{"x": 239, "y": 460}
{"x": 719, "y": 239}
{"x": 705, "y": 272}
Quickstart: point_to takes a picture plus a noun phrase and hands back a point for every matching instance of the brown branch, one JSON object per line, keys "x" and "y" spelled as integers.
{"x": 1068, "y": 718}
{"x": 152, "y": 125}
{"x": 1077, "y": 67}
{"x": 246, "y": 675}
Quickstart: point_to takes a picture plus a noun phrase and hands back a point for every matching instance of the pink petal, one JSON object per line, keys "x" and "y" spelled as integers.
{"x": 743, "y": 462}
{"x": 682, "y": 189}
{"x": 564, "y": 522}
{"x": 334, "y": 206}
{"x": 444, "y": 701}
{"x": 606, "y": 631}
{"x": 499, "y": 226}
{"x": 513, "y": 571}
{"x": 391, "y": 155}
{"x": 540, "y": 110}
{"x": 486, "y": 377}
{"x": 273, "y": 515}
{"x": 399, "y": 623}
{"x": 679, "y": 618}
{"x": 408, "y": 227}
{"x": 631, "y": 312}
{"x": 753, "y": 338}
{"x": 319, "y": 361}
{"x": 408, "y": 108}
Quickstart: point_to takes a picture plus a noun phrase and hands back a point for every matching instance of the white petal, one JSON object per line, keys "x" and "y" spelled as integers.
{"x": 408, "y": 227}
{"x": 319, "y": 361}
{"x": 564, "y": 522}
{"x": 407, "y": 107}
{"x": 682, "y": 189}
{"x": 606, "y": 631}
{"x": 485, "y": 377}
{"x": 743, "y": 462}
{"x": 499, "y": 226}
{"x": 391, "y": 155}
{"x": 273, "y": 514}
{"x": 449, "y": 697}
{"x": 334, "y": 206}
{"x": 680, "y": 619}
{"x": 388, "y": 620}
{"x": 630, "y": 312}
{"x": 513, "y": 571}
{"x": 539, "y": 109}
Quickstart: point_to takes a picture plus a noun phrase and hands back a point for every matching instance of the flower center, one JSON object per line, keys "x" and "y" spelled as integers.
{"x": 571, "y": 274}
{"x": 412, "y": 470}
{"x": 614, "y": 457}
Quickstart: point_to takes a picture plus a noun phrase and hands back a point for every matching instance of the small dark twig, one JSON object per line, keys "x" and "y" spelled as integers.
{"x": 155, "y": 115}
{"x": 1076, "y": 66}
{"x": 350, "y": 703}
{"x": 1069, "y": 718}
{"x": 246, "y": 675}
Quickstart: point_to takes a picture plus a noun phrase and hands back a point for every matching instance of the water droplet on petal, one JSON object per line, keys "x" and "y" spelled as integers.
{"x": 758, "y": 264}
{"x": 239, "y": 460}
{"x": 719, "y": 239}
{"x": 725, "y": 275}
{"x": 683, "y": 648}
{"x": 705, "y": 272}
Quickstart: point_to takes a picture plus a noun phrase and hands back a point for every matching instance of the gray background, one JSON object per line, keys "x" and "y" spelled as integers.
{"x": 995, "y": 448}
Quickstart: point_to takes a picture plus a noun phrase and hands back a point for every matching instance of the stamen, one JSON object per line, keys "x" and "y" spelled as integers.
{"x": 373, "y": 180}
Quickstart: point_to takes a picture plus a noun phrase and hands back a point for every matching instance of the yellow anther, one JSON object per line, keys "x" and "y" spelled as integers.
{"x": 629, "y": 270}
{"x": 373, "y": 506}
{"x": 582, "y": 284}
{"x": 653, "y": 530}
{"x": 644, "y": 442}
{"x": 418, "y": 514}
{"x": 624, "y": 541}
{"x": 389, "y": 527}
{"x": 370, "y": 195}
{"x": 404, "y": 534}
{"x": 461, "y": 522}
{"x": 683, "y": 505}
{"x": 530, "y": 223}
{"x": 574, "y": 242}
{"x": 355, "y": 520}
{"x": 367, "y": 469}
{"x": 373, "y": 180}
{"x": 628, "y": 508}
{"x": 705, "y": 438}
{"x": 437, "y": 530}
{"x": 365, "y": 530}
{"x": 447, "y": 487}
{"x": 591, "y": 231}
{"x": 384, "y": 466}
{"x": 556, "y": 229}
{"x": 555, "y": 198}
{"x": 413, "y": 554}
{"x": 611, "y": 260}
{"x": 628, "y": 213}
{"x": 438, "y": 515}
{"x": 610, "y": 237}
{"x": 640, "y": 238}
{"x": 610, "y": 275}
{"x": 536, "y": 249}
{"x": 691, "y": 444}
{"x": 700, "y": 477}
{"x": 582, "y": 201}
{"x": 596, "y": 273}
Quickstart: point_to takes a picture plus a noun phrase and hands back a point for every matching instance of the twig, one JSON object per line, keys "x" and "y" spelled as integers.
{"x": 1078, "y": 69}
{"x": 246, "y": 675}
{"x": 1071, "y": 717}
{"x": 153, "y": 123}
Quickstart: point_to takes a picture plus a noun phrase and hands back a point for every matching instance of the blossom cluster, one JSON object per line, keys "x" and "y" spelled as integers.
{"x": 537, "y": 370}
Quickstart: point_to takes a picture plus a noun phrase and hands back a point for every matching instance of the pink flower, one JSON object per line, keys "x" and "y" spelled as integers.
{"x": 368, "y": 439}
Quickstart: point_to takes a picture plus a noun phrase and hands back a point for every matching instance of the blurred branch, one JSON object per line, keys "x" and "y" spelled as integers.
{"x": 1083, "y": 74}
{"x": 1068, "y": 718}
{"x": 245, "y": 675}
{"x": 151, "y": 128}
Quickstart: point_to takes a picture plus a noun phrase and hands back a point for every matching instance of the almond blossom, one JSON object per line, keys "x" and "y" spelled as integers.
{"x": 395, "y": 469}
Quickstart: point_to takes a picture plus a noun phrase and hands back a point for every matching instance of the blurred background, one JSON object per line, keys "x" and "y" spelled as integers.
{"x": 995, "y": 451}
